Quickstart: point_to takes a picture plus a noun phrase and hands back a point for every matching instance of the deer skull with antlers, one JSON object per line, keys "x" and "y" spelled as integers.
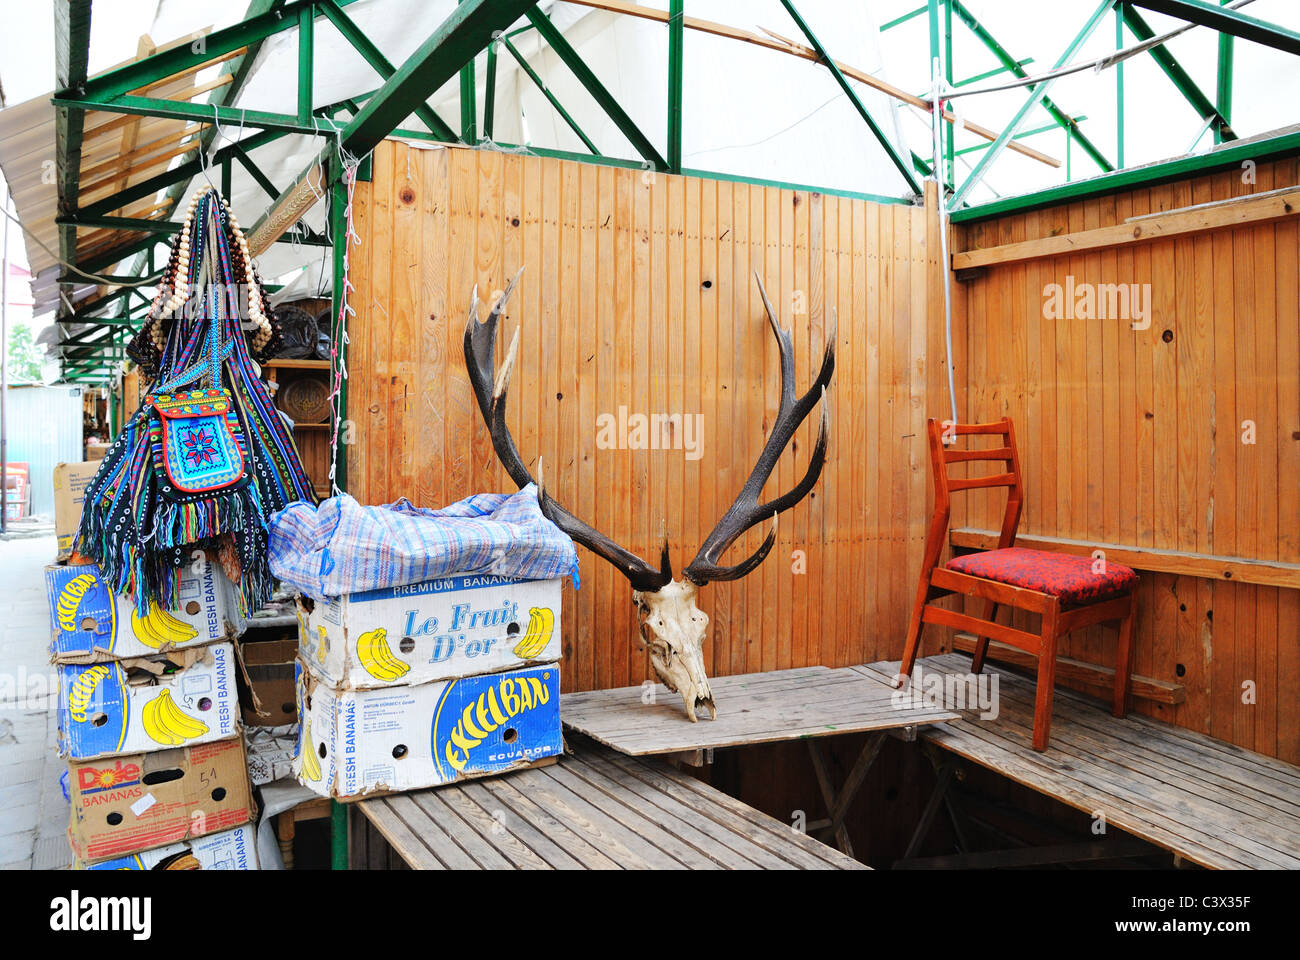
{"x": 672, "y": 626}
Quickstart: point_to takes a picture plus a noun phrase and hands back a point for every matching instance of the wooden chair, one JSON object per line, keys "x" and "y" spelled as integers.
{"x": 1069, "y": 592}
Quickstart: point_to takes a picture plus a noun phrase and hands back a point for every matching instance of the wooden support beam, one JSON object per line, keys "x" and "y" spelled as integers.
{"x": 1273, "y": 573}
{"x": 289, "y": 209}
{"x": 807, "y": 53}
{"x": 1187, "y": 221}
{"x": 1067, "y": 668}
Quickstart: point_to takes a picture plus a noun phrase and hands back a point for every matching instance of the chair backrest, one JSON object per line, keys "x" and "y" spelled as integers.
{"x": 943, "y": 455}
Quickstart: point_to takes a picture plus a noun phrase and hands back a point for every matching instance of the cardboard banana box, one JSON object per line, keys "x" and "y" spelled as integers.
{"x": 144, "y": 704}
{"x": 135, "y": 802}
{"x": 434, "y": 630}
{"x": 89, "y": 624}
{"x": 229, "y": 850}
{"x": 358, "y": 742}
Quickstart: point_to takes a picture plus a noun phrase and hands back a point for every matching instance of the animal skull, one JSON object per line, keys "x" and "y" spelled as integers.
{"x": 673, "y": 628}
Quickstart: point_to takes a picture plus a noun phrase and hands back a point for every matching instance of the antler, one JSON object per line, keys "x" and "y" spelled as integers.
{"x": 746, "y": 510}
{"x": 490, "y": 389}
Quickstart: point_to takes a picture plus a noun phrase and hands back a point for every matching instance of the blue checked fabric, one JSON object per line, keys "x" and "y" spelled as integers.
{"x": 341, "y": 547}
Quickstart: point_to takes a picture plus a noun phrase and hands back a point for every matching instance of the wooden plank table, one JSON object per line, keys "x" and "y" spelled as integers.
{"x": 806, "y": 703}
{"x": 595, "y": 809}
{"x": 1210, "y": 802}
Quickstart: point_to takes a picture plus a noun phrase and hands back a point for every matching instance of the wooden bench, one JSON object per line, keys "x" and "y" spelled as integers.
{"x": 1207, "y": 801}
{"x": 806, "y": 703}
{"x": 594, "y": 809}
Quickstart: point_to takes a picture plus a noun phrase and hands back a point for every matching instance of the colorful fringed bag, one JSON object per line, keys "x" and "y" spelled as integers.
{"x": 207, "y": 457}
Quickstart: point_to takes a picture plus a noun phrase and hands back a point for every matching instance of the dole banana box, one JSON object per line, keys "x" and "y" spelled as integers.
{"x": 354, "y": 742}
{"x": 229, "y": 850}
{"x": 434, "y": 630}
{"x": 144, "y": 704}
{"x": 89, "y": 624}
{"x": 133, "y": 802}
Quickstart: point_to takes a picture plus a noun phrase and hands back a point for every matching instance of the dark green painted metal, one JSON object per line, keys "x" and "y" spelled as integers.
{"x": 897, "y": 158}
{"x": 551, "y": 98}
{"x": 1177, "y": 75}
{"x": 256, "y": 173}
{"x": 110, "y": 257}
{"x": 119, "y": 223}
{"x": 603, "y": 97}
{"x": 339, "y": 228}
{"x": 676, "y": 45}
{"x": 1034, "y": 98}
{"x": 950, "y": 129}
{"x": 1223, "y": 87}
{"x": 1017, "y": 67}
{"x": 1119, "y": 88}
{"x": 1022, "y": 135}
{"x": 463, "y": 34}
{"x": 381, "y": 65}
{"x": 71, "y": 56}
{"x": 338, "y": 836}
{"x": 1230, "y": 21}
{"x": 1223, "y": 158}
{"x": 490, "y": 91}
{"x": 201, "y": 113}
{"x": 172, "y": 61}
{"x": 468, "y": 100}
{"x": 306, "y": 47}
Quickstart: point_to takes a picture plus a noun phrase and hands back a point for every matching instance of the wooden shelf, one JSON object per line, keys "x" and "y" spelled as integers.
{"x": 312, "y": 426}
{"x": 298, "y": 364}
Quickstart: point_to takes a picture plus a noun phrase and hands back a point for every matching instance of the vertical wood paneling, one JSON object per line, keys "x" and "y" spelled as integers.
{"x": 639, "y": 292}
{"x": 1136, "y": 436}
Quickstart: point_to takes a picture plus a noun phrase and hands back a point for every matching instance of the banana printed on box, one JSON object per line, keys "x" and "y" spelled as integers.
{"x": 229, "y": 850}
{"x": 89, "y": 624}
{"x": 435, "y": 630}
{"x": 141, "y": 704}
{"x": 357, "y": 742}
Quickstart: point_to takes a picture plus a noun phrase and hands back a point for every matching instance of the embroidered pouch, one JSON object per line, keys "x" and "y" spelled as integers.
{"x": 197, "y": 438}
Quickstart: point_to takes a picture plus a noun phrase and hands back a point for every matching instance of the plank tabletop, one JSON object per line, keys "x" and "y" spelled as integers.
{"x": 595, "y": 809}
{"x": 1211, "y": 802}
{"x": 752, "y": 708}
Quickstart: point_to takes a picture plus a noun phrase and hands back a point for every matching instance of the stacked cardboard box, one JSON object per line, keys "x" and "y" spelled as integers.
{"x": 148, "y": 715}
{"x": 425, "y": 684}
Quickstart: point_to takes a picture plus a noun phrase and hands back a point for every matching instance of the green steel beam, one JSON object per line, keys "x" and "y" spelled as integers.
{"x": 676, "y": 44}
{"x": 463, "y": 34}
{"x": 1177, "y": 75}
{"x": 174, "y": 60}
{"x": 468, "y": 100}
{"x": 1223, "y": 88}
{"x": 71, "y": 57}
{"x": 1227, "y": 157}
{"x": 256, "y": 173}
{"x": 603, "y": 97}
{"x": 200, "y": 113}
{"x": 949, "y": 129}
{"x": 1016, "y": 67}
{"x": 1119, "y": 87}
{"x": 899, "y": 162}
{"x": 490, "y": 91}
{"x": 306, "y": 49}
{"x": 1035, "y": 97}
{"x": 996, "y": 71}
{"x": 551, "y": 98}
{"x": 116, "y": 255}
{"x": 976, "y": 148}
{"x": 1226, "y": 20}
{"x": 382, "y": 65}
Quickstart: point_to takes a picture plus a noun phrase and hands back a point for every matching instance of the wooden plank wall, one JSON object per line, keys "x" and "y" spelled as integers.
{"x": 639, "y": 292}
{"x": 1135, "y": 437}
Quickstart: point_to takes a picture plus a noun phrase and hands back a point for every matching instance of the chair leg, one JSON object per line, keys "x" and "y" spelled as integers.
{"x": 1124, "y": 662}
{"x": 914, "y": 631}
{"x": 982, "y": 643}
{"x": 1046, "y": 685}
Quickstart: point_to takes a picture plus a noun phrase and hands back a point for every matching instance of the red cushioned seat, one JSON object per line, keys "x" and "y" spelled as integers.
{"x": 1071, "y": 579}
